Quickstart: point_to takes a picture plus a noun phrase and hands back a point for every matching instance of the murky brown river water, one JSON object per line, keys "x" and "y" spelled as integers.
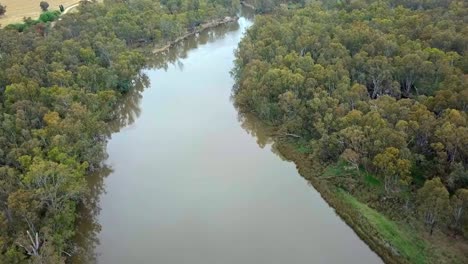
{"x": 190, "y": 183}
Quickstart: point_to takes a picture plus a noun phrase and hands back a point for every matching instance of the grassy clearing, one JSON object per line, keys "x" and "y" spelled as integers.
{"x": 396, "y": 242}
{"x": 370, "y": 180}
{"x": 336, "y": 170}
{"x": 341, "y": 169}
{"x": 302, "y": 147}
{"x": 406, "y": 242}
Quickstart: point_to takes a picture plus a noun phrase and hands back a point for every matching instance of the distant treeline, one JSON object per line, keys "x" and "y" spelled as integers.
{"x": 59, "y": 90}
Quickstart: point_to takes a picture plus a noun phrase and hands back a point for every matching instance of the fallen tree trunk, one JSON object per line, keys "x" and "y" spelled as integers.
{"x": 248, "y": 5}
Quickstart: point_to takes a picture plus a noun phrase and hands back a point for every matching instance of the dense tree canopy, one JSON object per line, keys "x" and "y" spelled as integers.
{"x": 59, "y": 90}
{"x": 381, "y": 85}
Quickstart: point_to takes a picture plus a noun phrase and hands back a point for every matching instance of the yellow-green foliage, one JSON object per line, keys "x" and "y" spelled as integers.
{"x": 59, "y": 91}
{"x": 378, "y": 88}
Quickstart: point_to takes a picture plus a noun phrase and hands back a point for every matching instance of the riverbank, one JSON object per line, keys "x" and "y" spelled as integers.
{"x": 201, "y": 28}
{"x": 393, "y": 242}
{"x": 104, "y": 70}
{"x": 401, "y": 240}
{"x": 240, "y": 194}
{"x": 311, "y": 171}
{"x": 398, "y": 193}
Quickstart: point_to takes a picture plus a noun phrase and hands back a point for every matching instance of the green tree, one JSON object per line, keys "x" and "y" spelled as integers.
{"x": 411, "y": 69}
{"x": 44, "y": 6}
{"x": 433, "y": 203}
{"x": 459, "y": 203}
{"x": 61, "y": 90}
{"x": 352, "y": 157}
{"x": 2, "y": 9}
{"x": 394, "y": 169}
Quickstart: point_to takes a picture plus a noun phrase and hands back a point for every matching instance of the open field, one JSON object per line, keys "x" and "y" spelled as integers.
{"x": 17, "y": 9}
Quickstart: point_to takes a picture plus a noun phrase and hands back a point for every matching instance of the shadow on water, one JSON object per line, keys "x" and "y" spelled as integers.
{"x": 88, "y": 226}
{"x": 127, "y": 111}
{"x": 207, "y": 209}
{"x": 263, "y": 134}
{"x": 178, "y": 52}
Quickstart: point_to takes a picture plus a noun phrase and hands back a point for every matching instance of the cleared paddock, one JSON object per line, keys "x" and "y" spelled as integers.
{"x": 18, "y": 9}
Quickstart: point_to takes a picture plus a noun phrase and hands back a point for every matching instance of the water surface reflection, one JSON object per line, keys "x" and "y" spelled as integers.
{"x": 189, "y": 184}
{"x": 127, "y": 111}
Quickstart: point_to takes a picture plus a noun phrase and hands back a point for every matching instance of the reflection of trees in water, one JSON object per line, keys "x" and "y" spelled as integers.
{"x": 264, "y": 134}
{"x": 126, "y": 112}
{"x": 255, "y": 128}
{"x": 88, "y": 226}
{"x": 175, "y": 54}
{"x": 128, "y": 109}
{"x": 247, "y": 12}
{"x": 275, "y": 149}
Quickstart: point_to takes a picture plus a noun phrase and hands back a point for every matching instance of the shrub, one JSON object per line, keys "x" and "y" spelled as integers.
{"x": 20, "y": 27}
{"x": 44, "y": 5}
{"x": 49, "y": 16}
{"x": 2, "y": 9}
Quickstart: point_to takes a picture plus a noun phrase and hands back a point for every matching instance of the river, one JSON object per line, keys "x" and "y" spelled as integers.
{"x": 188, "y": 181}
